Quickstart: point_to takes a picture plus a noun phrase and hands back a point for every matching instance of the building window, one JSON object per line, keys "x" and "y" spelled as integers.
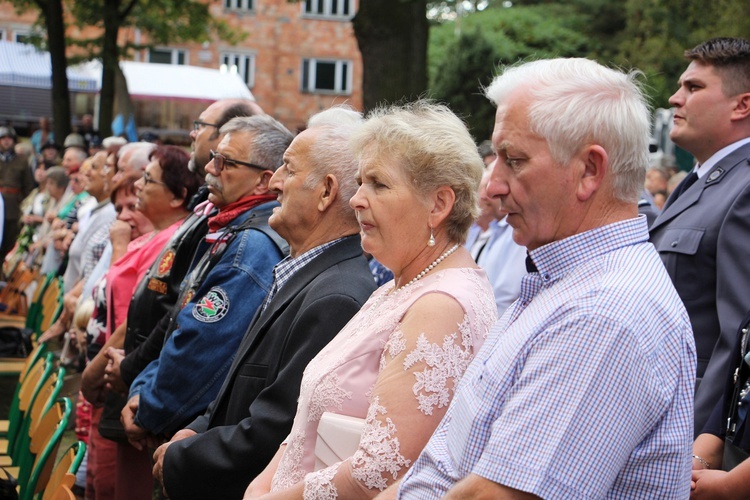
{"x": 244, "y": 5}
{"x": 326, "y": 76}
{"x": 242, "y": 64}
{"x": 3, "y": 34}
{"x": 167, "y": 56}
{"x": 328, "y": 8}
{"x": 21, "y": 36}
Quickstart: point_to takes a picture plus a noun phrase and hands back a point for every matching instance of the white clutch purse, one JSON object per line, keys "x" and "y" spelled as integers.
{"x": 338, "y": 438}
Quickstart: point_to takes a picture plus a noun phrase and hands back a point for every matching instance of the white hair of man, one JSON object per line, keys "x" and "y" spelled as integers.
{"x": 139, "y": 154}
{"x": 577, "y": 101}
{"x": 269, "y": 139}
{"x": 331, "y": 152}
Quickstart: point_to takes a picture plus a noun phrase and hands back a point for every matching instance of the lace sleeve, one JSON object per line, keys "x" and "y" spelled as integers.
{"x": 420, "y": 367}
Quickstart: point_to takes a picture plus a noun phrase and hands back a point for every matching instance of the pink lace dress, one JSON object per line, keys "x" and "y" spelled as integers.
{"x": 395, "y": 368}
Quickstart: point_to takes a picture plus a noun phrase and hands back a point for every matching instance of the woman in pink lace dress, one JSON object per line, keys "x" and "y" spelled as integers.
{"x": 398, "y": 361}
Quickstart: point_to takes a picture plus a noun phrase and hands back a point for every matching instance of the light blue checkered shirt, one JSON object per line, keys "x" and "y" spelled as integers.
{"x": 584, "y": 387}
{"x": 285, "y": 269}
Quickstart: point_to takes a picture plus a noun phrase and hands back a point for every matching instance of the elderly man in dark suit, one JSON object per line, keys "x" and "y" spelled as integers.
{"x": 703, "y": 232}
{"x": 316, "y": 291}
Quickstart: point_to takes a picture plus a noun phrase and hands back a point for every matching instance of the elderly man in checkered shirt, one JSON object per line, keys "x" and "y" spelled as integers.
{"x": 584, "y": 388}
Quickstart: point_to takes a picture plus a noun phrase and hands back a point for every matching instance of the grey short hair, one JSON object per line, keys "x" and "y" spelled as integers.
{"x": 58, "y": 176}
{"x": 139, "y": 157}
{"x": 77, "y": 152}
{"x": 269, "y": 139}
{"x": 331, "y": 153}
{"x": 577, "y": 101}
{"x": 434, "y": 148}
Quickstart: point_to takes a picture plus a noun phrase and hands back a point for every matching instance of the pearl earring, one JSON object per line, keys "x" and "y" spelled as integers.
{"x": 431, "y": 241}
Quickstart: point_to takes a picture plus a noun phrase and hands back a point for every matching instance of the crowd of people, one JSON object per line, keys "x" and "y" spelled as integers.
{"x": 377, "y": 307}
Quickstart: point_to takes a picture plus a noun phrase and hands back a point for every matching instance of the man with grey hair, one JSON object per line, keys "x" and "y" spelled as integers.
{"x": 584, "y": 388}
{"x": 132, "y": 157}
{"x": 316, "y": 290}
{"x": 223, "y": 288}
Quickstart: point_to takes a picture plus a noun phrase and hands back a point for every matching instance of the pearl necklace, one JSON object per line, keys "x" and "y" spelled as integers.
{"x": 418, "y": 276}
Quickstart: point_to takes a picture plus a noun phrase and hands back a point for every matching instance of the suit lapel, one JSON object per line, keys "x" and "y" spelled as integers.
{"x": 714, "y": 177}
{"x": 343, "y": 250}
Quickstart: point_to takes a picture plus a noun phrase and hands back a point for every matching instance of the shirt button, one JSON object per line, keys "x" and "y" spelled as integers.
{"x": 674, "y": 244}
{"x": 546, "y": 277}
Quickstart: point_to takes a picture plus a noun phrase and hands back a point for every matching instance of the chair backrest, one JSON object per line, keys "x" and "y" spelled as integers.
{"x": 63, "y": 492}
{"x": 28, "y": 392}
{"x": 12, "y": 298}
{"x": 24, "y": 451}
{"x": 33, "y": 315}
{"x": 64, "y": 472}
{"x": 44, "y": 445}
{"x": 36, "y": 354}
{"x": 51, "y": 307}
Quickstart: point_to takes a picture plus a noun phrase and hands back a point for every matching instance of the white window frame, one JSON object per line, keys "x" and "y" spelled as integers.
{"x": 243, "y": 63}
{"x": 338, "y": 76}
{"x": 19, "y": 33}
{"x": 239, "y": 5}
{"x": 327, "y": 10}
{"x": 175, "y": 55}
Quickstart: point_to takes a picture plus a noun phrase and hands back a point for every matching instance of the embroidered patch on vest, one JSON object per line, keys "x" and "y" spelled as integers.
{"x": 157, "y": 286}
{"x": 188, "y": 298}
{"x": 212, "y": 307}
{"x": 165, "y": 264}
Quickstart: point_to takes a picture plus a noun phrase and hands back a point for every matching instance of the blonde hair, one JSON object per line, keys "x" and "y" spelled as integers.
{"x": 83, "y": 314}
{"x": 433, "y": 147}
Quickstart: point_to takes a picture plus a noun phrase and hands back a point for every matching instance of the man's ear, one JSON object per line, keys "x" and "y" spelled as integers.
{"x": 595, "y": 166}
{"x": 442, "y": 203}
{"x": 741, "y": 110}
{"x": 328, "y": 192}
{"x": 263, "y": 182}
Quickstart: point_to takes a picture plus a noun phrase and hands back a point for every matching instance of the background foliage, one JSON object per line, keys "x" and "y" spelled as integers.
{"x": 649, "y": 35}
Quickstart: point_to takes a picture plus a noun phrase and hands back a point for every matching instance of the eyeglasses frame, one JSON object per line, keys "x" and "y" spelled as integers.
{"x": 226, "y": 160}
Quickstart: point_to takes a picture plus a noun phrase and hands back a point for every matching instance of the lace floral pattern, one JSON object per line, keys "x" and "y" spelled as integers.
{"x": 328, "y": 395}
{"x": 319, "y": 484}
{"x": 345, "y": 376}
{"x": 444, "y": 363}
{"x": 379, "y": 451}
{"x": 289, "y": 473}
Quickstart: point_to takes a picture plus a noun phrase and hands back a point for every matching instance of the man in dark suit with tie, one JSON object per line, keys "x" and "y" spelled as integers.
{"x": 316, "y": 290}
{"x": 703, "y": 232}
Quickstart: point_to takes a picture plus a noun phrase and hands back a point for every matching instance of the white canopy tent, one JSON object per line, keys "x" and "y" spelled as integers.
{"x": 23, "y": 65}
{"x": 182, "y": 92}
{"x": 170, "y": 81}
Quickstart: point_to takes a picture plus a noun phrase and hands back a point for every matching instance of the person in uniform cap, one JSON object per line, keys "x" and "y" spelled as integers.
{"x": 16, "y": 182}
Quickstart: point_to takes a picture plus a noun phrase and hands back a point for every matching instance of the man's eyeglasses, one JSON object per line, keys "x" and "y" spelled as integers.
{"x": 220, "y": 161}
{"x": 197, "y": 124}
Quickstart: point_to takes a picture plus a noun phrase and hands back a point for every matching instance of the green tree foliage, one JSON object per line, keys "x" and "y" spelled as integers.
{"x": 658, "y": 32}
{"x": 649, "y": 35}
{"x": 461, "y": 63}
{"x": 465, "y": 70}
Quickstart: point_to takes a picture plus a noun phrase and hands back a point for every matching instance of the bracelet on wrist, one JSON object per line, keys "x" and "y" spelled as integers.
{"x": 702, "y": 461}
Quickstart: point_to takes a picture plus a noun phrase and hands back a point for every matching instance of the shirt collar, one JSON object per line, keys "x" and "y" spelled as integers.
{"x": 556, "y": 259}
{"x": 290, "y": 265}
{"x": 706, "y": 166}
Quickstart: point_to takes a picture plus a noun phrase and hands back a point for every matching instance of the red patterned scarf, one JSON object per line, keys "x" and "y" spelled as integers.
{"x": 231, "y": 211}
